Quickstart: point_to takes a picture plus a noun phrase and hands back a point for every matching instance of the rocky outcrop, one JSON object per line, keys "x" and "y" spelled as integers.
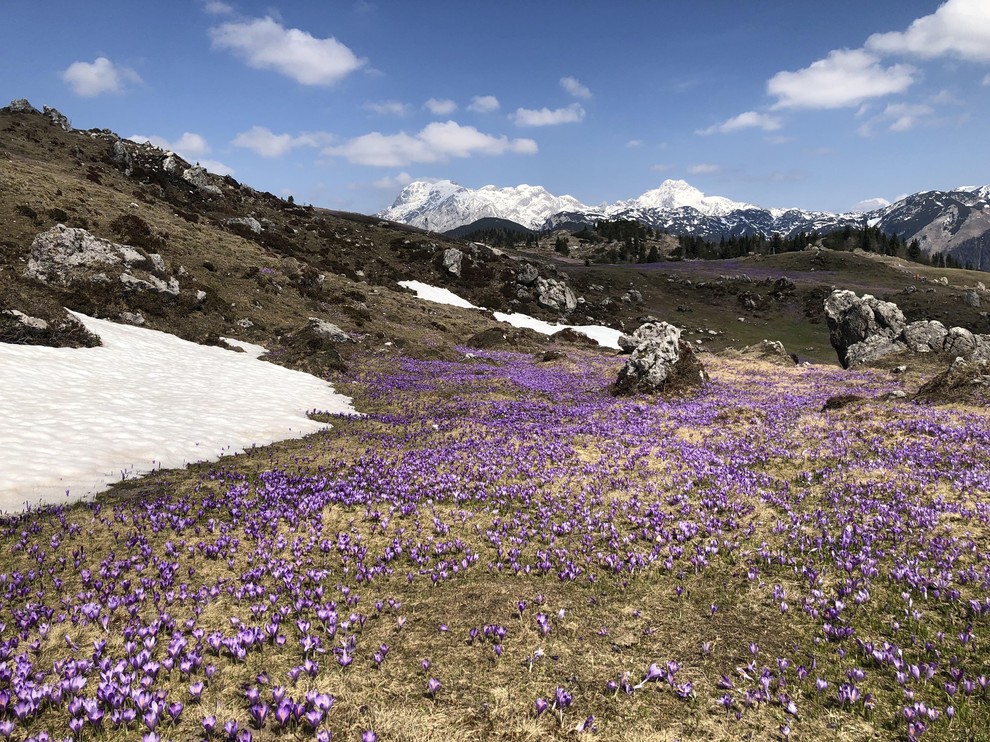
{"x": 661, "y": 363}
{"x": 58, "y": 118}
{"x": 768, "y": 351}
{"x": 200, "y": 178}
{"x": 327, "y": 331}
{"x": 64, "y": 255}
{"x": 450, "y": 261}
{"x": 866, "y": 330}
{"x": 21, "y": 105}
{"x": 247, "y": 223}
{"x": 853, "y": 320}
{"x": 554, "y": 294}
{"x": 647, "y": 330}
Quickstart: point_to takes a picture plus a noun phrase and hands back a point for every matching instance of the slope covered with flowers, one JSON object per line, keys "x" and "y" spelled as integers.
{"x": 500, "y": 549}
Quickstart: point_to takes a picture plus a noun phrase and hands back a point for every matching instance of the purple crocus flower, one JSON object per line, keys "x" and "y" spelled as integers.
{"x": 432, "y": 687}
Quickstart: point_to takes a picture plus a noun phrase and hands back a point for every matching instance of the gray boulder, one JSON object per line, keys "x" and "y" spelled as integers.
{"x": 971, "y": 298}
{"x": 853, "y": 320}
{"x": 926, "y": 336}
{"x": 64, "y": 255}
{"x": 200, "y": 178}
{"x": 327, "y": 331}
{"x": 22, "y": 105}
{"x": 662, "y": 362}
{"x": 451, "y": 260}
{"x": 959, "y": 342}
{"x": 646, "y": 331}
{"x": 247, "y": 222}
{"x": 871, "y": 350}
{"x": 58, "y": 119}
{"x": 554, "y": 294}
{"x": 528, "y": 275}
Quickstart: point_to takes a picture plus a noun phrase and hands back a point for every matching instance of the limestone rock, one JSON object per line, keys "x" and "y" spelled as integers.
{"x": 58, "y": 118}
{"x": 554, "y": 294}
{"x": 528, "y": 275}
{"x": 629, "y": 343}
{"x": 971, "y": 298}
{"x": 327, "y": 331}
{"x": 872, "y": 350}
{"x": 769, "y": 351}
{"x": 200, "y": 178}
{"x": 853, "y": 320}
{"x": 451, "y": 260}
{"x": 661, "y": 363}
{"x": 63, "y": 255}
{"x": 249, "y": 223}
{"x": 963, "y": 381}
{"x": 22, "y": 105}
{"x": 926, "y": 336}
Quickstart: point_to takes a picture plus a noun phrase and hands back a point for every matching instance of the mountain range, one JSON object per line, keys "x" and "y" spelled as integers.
{"x": 955, "y": 222}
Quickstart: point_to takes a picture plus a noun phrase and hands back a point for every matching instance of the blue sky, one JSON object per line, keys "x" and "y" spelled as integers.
{"x": 774, "y": 102}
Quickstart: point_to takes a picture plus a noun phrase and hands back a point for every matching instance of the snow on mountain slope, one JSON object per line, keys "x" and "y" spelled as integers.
{"x": 444, "y": 205}
{"x": 675, "y": 194}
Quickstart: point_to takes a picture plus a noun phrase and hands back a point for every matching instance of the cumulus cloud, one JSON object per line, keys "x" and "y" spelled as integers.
{"x": 440, "y": 107}
{"x": 704, "y": 168}
{"x": 575, "y": 88}
{"x": 572, "y": 114}
{"x": 747, "y": 120}
{"x": 89, "y": 79}
{"x": 264, "y": 142}
{"x": 846, "y": 77}
{"x": 484, "y": 104}
{"x": 958, "y": 28}
{"x": 437, "y": 142}
{"x": 388, "y": 108}
{"x": 264, "y": 43}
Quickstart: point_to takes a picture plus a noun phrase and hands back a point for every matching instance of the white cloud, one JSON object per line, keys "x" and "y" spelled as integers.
{"x": 484, "y": 104}
{"x": 898, "y": 117}
{"x": 264, "y": 142}
{"x": 704, "y": 168}
{"x": 437, "y": 142}
{"x": 215, "y": 7}
{"x": 572, "y": 114}
{"x": 662, "y": 167}
{"x": 265, "y": 44}
{"x": 747, "y": 120}
{"x": 392, "y": 183}
{"x": 89, "y": 79}
{"x": 846, "y": 77}
{"x": 388, "y": 108}
{"x": 575, "y": 88}
{"x": 870, "y": 204}
{"x": 440, "y": 107}
{"x": 986, "y": 80}
{"x": 634, "y": 143}
{"x": 959, "y": 28}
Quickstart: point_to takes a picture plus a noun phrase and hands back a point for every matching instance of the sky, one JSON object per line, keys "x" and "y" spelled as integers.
{"x": 76, "y": 420}
{"x": 781, "y": 103}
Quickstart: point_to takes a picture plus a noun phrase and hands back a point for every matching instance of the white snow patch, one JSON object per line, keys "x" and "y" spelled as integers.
{"x": 604, "y": 336}
{"x": 75, "y": 420}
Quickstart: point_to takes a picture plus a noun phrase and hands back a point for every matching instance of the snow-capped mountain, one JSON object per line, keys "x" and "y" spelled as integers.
{"x": 444, "y": 205}
{"x": 957, "y": 221}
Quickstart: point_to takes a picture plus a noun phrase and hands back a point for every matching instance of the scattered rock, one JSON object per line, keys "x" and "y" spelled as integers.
{"x": 528, "y": 275}
{"x": 971, "y": 298}
{"x": 549, "y": 356}
{"x": 199, "y": 177}
{"x": 248, "y": 223}
{"x": 629, "y": 343}
{"x": 516, "y": 338}
{"x": 450, "y": 261}
{"x": 871, "y": 350}
{"x": 573, "y": 337}
{"x": 21, "y": 105}
{"x": 663, "y": 363}
{"x": 327, "y": 331}
{"x": 926, "y": 336}
{"x": 132, "y": 318}
{"x": 554, "y": 294}
{"x": 244, "y": 323}
{"x": 58, "y": 119}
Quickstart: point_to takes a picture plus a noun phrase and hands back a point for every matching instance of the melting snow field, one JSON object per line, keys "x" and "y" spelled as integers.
{"x": 604, "y": 336}
{"x": 75, "y": 420}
